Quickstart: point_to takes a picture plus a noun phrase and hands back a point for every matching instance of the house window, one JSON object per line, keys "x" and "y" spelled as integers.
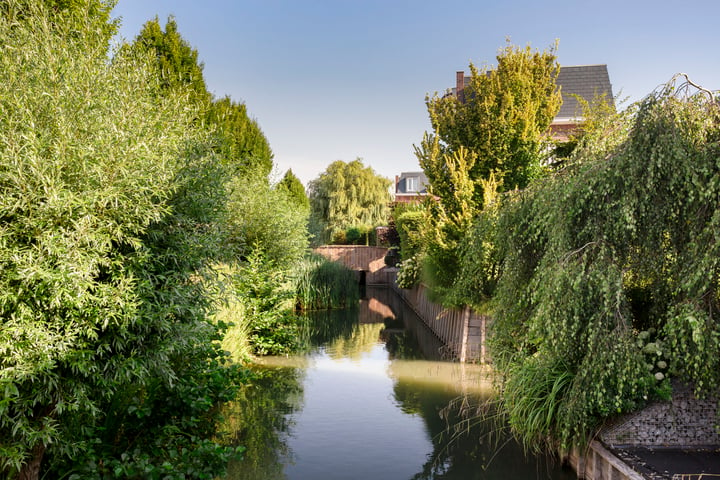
{"x": 411, "y": 184}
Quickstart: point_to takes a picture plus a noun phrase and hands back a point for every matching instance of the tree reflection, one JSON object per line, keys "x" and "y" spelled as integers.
{"x": 470, "y": 441}
{"x": 259, "y": 419}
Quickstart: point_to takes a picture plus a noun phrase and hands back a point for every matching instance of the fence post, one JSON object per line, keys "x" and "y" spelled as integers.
{"x": 464, "y": 334}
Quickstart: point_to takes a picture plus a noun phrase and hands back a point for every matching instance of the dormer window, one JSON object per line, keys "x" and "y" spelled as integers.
{"x": 411, "y": 184}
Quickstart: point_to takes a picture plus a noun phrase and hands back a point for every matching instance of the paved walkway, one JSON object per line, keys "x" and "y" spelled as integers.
{"x": 673, "y": 464}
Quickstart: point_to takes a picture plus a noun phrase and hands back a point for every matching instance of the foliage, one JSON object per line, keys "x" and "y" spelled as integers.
{"x": 354, "y": 235}
{"x": 480, "y": 263}
{"x": 267, "y": 218}
{"x": 609, "y": 273}
{"x": 599, "y": 115}
{"x": 492, "y": 136}
{"x": 448, "y": 218}
{"x": 347, "y": 195}
{"x": 323, "y": 284}
{"x": 64, "y": 11}
{"x": 230, "y": 312}
{"x": 409, "y": 221}
{"x": 177, "y": 61}
{"x": 98, "y": 313}
{"x": 295, "y": 189}
{"x": 410, "y": 273}
{"x": 267, "y": 296}
{"x": 502, "y": 118}
{"x": 238, "y": 139}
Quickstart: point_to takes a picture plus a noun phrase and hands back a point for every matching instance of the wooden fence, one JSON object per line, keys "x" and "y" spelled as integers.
{"x": 462, "y": 331}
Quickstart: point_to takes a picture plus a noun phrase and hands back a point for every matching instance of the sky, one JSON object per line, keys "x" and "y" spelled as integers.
{"x": 340, "y": 79}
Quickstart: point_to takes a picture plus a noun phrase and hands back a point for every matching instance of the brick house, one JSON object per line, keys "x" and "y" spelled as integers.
{"x": 410, "y": 187}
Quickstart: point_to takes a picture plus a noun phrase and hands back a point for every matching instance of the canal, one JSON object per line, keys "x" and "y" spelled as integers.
{"x": 373, "y": 398}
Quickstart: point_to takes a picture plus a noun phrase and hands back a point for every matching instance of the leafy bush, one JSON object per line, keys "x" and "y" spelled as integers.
{"x": 266, "y": 217}
{"x": 410, "y": 273}
{"x": 267, "y": 297}
{"x": 409, "y": 224}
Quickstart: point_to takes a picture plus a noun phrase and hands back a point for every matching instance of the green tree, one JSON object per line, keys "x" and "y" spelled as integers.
{"x": 177, "y": 61}
{"x": 295, "y": 188}
{"x": 347, "y": 195}
{"x": 268, "y": 219}
{"x": 502, "y": 117}
{"x": 105, "y": 347}
{"x": 238, "y": 138}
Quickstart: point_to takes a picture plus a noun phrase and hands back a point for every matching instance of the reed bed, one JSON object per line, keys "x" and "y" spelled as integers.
{"x": 322, "y": 284}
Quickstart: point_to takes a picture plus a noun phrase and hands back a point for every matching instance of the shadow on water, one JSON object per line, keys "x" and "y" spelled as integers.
{"x": 371, "y": 398}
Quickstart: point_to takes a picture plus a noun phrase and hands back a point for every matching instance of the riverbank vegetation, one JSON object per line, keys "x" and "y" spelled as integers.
{"x": 601, "y": 273}
{"x": 138, "y": 223}
{"x": 323, "y": 285}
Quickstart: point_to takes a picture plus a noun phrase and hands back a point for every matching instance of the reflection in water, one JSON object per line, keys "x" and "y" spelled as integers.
{"x": 367, "y": 401}
{"x": 259, "y": 420}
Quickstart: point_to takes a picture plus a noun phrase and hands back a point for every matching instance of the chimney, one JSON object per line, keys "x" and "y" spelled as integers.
{"x": 397, "y": 183}
{"x": 460, "y": 86}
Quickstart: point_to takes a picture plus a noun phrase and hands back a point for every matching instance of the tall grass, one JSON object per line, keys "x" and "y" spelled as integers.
{"x": 322, "y": 284}
{"x": 533, "y": 397}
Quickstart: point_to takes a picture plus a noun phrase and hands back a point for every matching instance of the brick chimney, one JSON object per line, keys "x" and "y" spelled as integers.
{"x": 460, "y": 86}
{"x": 397, "y": 183}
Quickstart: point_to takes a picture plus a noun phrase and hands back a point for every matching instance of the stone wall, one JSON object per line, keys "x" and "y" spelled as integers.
{"x": 682, "y": 422}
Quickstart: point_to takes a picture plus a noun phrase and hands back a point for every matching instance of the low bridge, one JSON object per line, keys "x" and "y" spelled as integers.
{"x": 368, "y": 261}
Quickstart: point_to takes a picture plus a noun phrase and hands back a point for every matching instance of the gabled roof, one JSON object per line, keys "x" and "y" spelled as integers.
{"x": 585, "y": 81}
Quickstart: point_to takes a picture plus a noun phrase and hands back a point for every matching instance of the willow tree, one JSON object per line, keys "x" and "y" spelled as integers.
{"x": 609, "y": 278}
{"x": 347, "y": 195}
{"x": 104, "y": 345}
{"x": 502, "y": 116}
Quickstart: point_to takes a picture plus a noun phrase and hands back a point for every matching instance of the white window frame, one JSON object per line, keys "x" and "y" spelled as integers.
{"x": 411, "y": 184}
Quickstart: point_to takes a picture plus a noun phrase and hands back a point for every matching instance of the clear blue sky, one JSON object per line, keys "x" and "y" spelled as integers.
{"x": 340, "y": 79}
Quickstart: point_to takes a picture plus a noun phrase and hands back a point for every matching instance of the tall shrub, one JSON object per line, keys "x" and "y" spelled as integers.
{"x": 95, "y": 308}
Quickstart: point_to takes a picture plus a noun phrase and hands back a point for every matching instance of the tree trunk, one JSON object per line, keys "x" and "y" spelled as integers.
{"x": 31, "y": 469}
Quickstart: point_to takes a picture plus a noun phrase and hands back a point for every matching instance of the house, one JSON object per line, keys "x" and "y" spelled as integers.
{"x": 410, "y": 187}
{"x": 585, "y": 81}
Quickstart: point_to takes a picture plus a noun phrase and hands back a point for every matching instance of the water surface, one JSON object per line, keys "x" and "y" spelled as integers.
{"x": 372, "y": 398}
